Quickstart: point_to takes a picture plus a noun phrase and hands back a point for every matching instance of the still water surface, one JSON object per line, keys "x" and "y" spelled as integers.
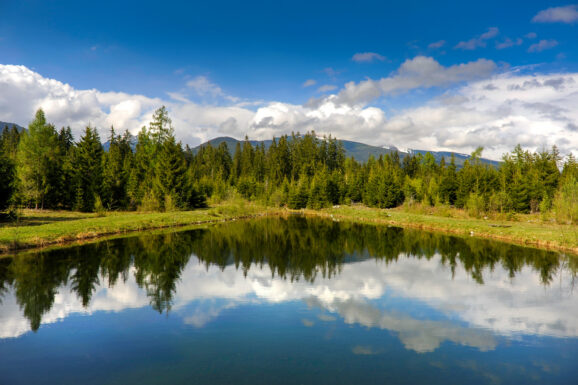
{"x": 289, "y": 301}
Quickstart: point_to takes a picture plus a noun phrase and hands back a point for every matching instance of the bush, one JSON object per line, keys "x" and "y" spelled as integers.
{"x": 545, "y": 207}
{"x": 475, "y": 205}
{"x": 99, "y": 208}
{"x": 171, "y": 203}
{"x": 499, "y": 202}
{"x": 149, "y": 202}
{"x": 298, "y": 196}
{"x": 566, "y": 202}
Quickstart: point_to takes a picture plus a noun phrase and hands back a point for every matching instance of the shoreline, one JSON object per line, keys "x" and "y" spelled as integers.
{"x": 87, "y": 228}
{"x": 561, "y": 238}
{"x": 13, "y": 240}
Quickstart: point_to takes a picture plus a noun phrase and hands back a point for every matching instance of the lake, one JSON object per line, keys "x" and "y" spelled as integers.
{"x": 289, "y": 301}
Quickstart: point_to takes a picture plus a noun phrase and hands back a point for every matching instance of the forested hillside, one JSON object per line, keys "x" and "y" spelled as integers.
{"x": 361, "y": 152}
{"x": 45, "y": 168}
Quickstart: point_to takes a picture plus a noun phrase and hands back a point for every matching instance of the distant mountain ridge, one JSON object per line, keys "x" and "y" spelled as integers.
{"x": 3, "y": 124}
{"x": 360, "y": 151}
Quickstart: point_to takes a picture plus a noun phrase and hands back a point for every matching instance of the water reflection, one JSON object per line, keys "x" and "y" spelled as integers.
{"x": 467, "y": 291}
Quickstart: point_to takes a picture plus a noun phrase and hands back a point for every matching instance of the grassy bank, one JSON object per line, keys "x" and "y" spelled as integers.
{"x": 37, "y": 228}
{"x": 45, "y": 228}
{"x": 526, "y": 230}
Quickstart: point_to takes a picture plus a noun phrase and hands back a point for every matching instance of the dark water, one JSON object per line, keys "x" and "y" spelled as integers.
{"x": 289, "y": 301}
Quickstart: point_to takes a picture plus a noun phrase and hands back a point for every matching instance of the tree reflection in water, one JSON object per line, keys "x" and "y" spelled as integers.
{"x": 295, "y": 248}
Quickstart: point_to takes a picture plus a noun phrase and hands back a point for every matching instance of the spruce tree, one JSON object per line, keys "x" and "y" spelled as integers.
{"x": 38, "y": 153}
{"x": 169, "y": 182}
{"x": 115, "y": 172}
{"x": 7, "y": 174}
{"x": 88, "y": 169}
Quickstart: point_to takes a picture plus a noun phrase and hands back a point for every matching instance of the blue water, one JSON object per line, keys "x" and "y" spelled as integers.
{"x": 249, "y": 303}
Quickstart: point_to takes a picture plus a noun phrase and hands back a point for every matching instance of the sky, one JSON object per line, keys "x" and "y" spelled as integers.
{"x": 415, "y": 74}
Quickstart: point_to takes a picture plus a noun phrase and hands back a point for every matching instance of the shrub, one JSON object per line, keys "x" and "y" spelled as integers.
{"x": 566, "y": 202}
{"x": 475, "y": 205}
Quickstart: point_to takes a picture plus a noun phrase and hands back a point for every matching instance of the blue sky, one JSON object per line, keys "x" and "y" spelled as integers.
{"x": 224, "y": 53}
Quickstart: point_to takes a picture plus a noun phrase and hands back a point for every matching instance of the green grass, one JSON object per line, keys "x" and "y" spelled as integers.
{"x": 42, "y": 228}
{"x": 46, "y": 228}
{"x": 526, "y": 230}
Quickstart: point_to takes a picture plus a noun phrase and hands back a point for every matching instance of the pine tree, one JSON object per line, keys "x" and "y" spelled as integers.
{"x": 298, "y": 194}
{"x": 160, "y": 128}
{"x": 448, "y": 186}
{"x": 169, "y": 182}
{"x": 116, "y": 172}
{"x": 7, "y": 174}
{"x": 9, "y": 142}
{"x": 88, "y": 169}
{"x": 38, "y": 153}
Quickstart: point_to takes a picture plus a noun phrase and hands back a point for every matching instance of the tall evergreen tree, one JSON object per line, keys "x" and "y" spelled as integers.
{"x": 38, "y": 154}
{"x": 7, "y": 174}
{"x": 115, "y": 174}
{"x": 88, "y": 170}
{"x": 169, "y": 182}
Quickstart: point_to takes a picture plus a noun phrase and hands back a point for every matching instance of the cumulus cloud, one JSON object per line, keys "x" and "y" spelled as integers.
{"x": 24, "y": 91}
{"x": 567, "y": 14}
{"x": 328, "y": 117}
{"x": 497, "y": 111}
{"x": 367, "y": 57}
{"x": 479, "y": 41}
{"x": 419, "y": 72}
{"x": 543, "y": 45}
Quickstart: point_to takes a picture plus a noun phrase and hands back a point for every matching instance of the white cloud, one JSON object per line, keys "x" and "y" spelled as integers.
{"x": 479, "y": 41}
{"x": 437, "y": 44}
{"x": 24, "y": 91}
{"x": 497, "y": 113}
{"x": 328, "y": 117}
{"x": 481, "y": 108}
{"x": 309, "y": 83}
{"x": 567, "y": 14}
{"x": 419, "y": 72}
{"x": 507, "y": 43}
{"x": 202, "y": 86}
{"x": 326, "y": 88}
{"x": 367, "y": 57}
{"x": 543, "y": 45}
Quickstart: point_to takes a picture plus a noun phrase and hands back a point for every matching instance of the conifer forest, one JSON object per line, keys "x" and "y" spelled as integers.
{"x": 45, "y": 168}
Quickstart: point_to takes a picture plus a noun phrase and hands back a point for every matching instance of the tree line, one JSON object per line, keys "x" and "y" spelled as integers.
{"x": 45, "y": 168}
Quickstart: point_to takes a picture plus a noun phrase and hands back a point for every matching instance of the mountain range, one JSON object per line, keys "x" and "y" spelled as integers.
{"x": 3, "y": 124}
{"x": 360, "y": 151}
